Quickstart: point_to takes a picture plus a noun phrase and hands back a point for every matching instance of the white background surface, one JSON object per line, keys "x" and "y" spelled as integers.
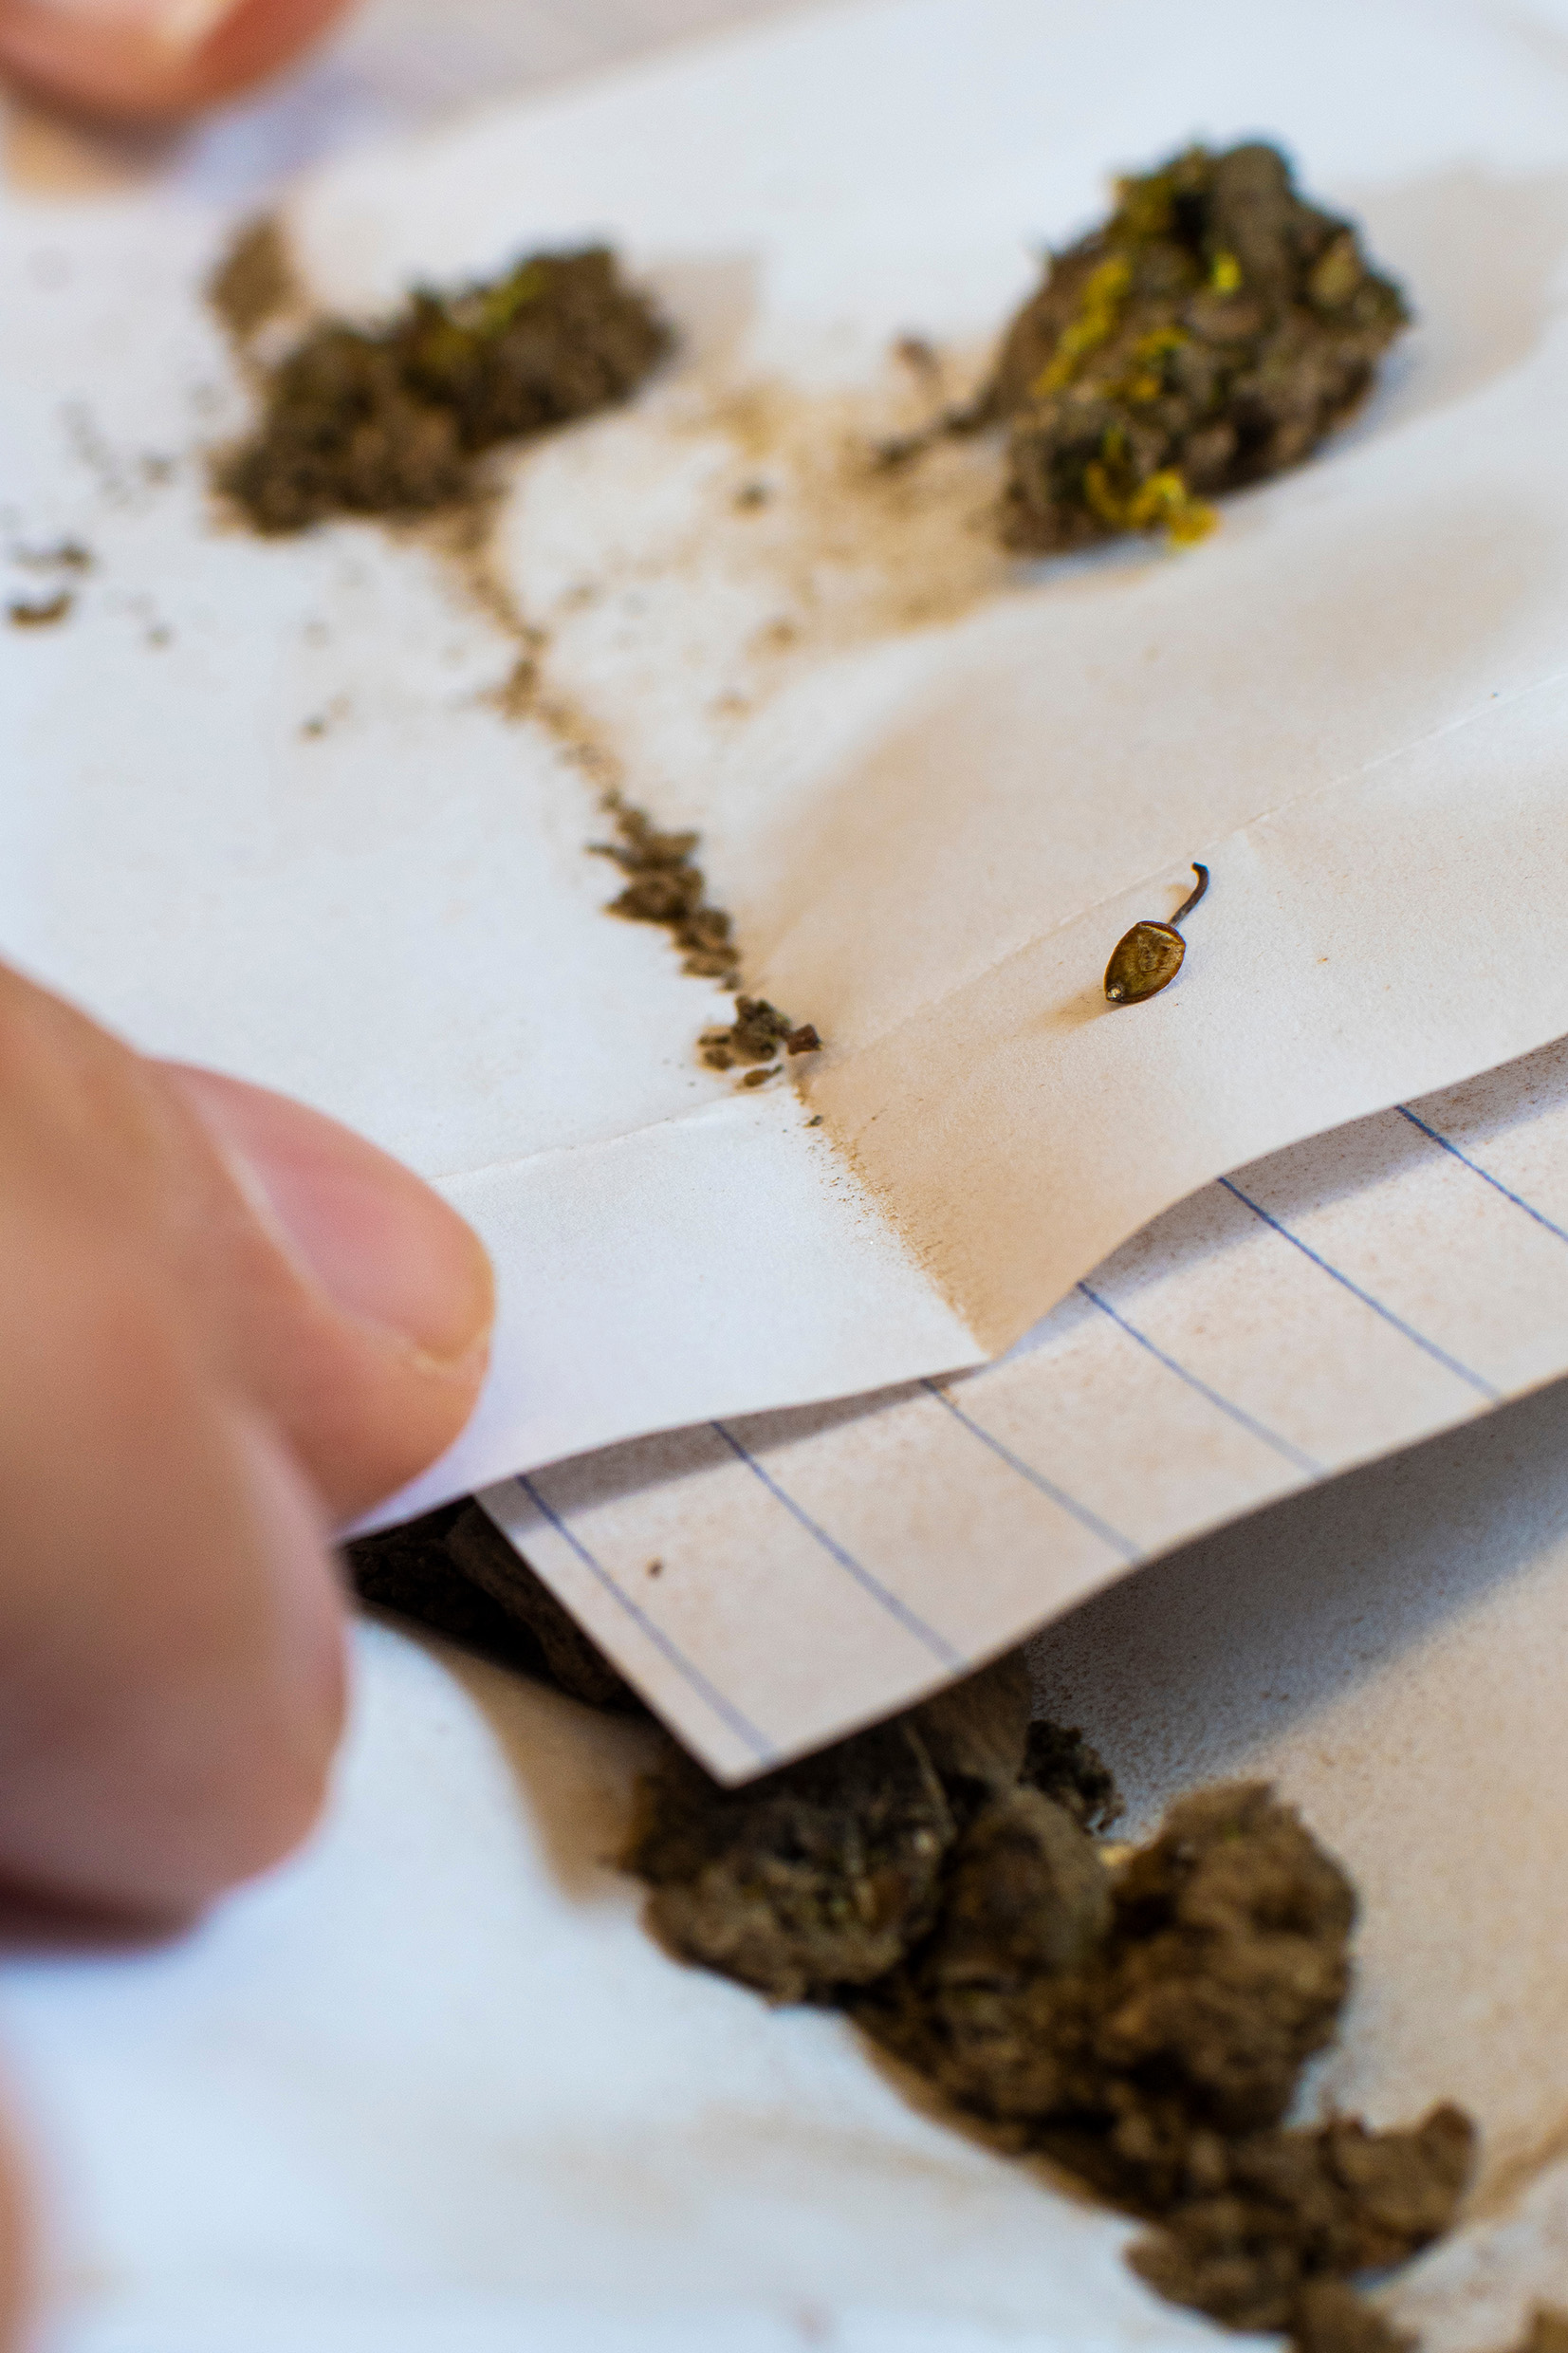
{"x": 365, "y": 2107}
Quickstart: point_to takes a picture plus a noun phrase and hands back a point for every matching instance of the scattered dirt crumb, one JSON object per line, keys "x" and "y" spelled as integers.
{"x": 756, "y": 1034}
{"x": 42, "y": 616}
{"x": 919, "y": 354}
{"x": 665, "y": 885}
{"x": 255, "y": 282}
{"x": 67, "y": 555}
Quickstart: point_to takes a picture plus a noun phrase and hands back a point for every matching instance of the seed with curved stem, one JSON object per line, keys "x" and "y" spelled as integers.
{"x": 1147, "y": 958}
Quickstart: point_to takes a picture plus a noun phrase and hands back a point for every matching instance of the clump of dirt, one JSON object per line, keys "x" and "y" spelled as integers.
{"x": 815, "y": 1878}
{"x": 1207, "y": 335}
{"x": 1059, "y": 1761}
{"x": 1140, "y": 2015}
{"x": 452, "y": 1570}
{"x": 1141, "y": 2020}
{"x": 1298, "y": 2215}
{"x": 388, "y": 420}
{"x": 756, "y": 1034}
{"x": 820, "y": 1876}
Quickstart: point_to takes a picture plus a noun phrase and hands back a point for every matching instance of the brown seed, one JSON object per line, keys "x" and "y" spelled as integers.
{"x": 1147, "y": 958}
{"x": 1144, "y": 961}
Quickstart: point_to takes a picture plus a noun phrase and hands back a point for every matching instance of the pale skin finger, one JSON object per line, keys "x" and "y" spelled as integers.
{"x": 231, "y": 1324}
{"x": 228, "y": 1325}
{"x": 153, "y": 61}
{"x": 17, "y": 2264}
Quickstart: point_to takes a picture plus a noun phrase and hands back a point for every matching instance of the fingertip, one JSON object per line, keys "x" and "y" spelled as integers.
{"x": 153, "y": 61}
{"x": 173, "y": 1625}
{"x": 382, "y": 1246}
{"x": 17, "y": 2267}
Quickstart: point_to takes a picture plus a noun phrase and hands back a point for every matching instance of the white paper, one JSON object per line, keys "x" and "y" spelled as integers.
{"x": 431, "y": 2087}
{"x": 434, "y": 2086}
{"x": 287, "y": 832}
{"x": 817, "y": 1569}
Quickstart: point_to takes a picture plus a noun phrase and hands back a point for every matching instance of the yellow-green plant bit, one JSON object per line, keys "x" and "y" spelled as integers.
{"x": 1207, "y": 335}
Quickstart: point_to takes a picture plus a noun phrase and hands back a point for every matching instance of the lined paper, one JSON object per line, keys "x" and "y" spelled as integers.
{"x": 771, "y": 1581}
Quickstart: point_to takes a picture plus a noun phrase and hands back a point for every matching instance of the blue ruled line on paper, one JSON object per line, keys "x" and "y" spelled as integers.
{"x": 1129, "y": 1552}
{"x": 1476, "y": 1170}
{"x": 938, "y": 1645}
{"x": 744, "y": 1730}
{"x": 1238, "y": 1413}
{"x": 1439, "y": 1355}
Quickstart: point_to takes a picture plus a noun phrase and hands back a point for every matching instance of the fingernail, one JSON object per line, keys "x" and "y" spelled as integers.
{"x": 385, "y": 1248}
{"x": 178, "y": 25}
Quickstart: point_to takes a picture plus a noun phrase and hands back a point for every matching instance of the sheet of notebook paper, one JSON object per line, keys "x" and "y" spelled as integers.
{"x": 770, "y": 1582}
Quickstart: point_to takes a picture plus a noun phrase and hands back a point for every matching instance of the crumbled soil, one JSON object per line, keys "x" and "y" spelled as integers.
{"x": 1139, "y": 2016}
{"x": 820, "y": 1876}
{"x": 391, "y": 420}
{"x": 255, "y": 282}
{"x": 388, "y": 420}
{"x": 1143, "y": 2023}
{"x": 664, "y": 884}
{"x": 756, "y": 1034}
{"x": 453, "y": 1571}
{"x": 1059, "y": 1761}
{"x": 66, "y": 555}
{"x": 44, "y": 615}
{"x": 1207, "y": 335}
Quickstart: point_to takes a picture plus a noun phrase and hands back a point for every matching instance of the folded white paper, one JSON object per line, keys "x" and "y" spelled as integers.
{"x": 770, "y": 1582}
{"x": 288, "y": 830}
{"x": 435, "y": 2087}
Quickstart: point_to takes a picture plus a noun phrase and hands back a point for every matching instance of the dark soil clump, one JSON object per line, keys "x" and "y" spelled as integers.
{"x": 454, "y": 1573}
{"x": 665, "y": 885}
{"x": 820, "y": 1876}
{"x": 1060, "y": 1763}
{"x": 1142, "y": 2022}
{"x": 1140, "y": 2017}
{"x": 1209, "y": 335}
{"x": 388, "y": 420}
{"x": 757, "y": 1033}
